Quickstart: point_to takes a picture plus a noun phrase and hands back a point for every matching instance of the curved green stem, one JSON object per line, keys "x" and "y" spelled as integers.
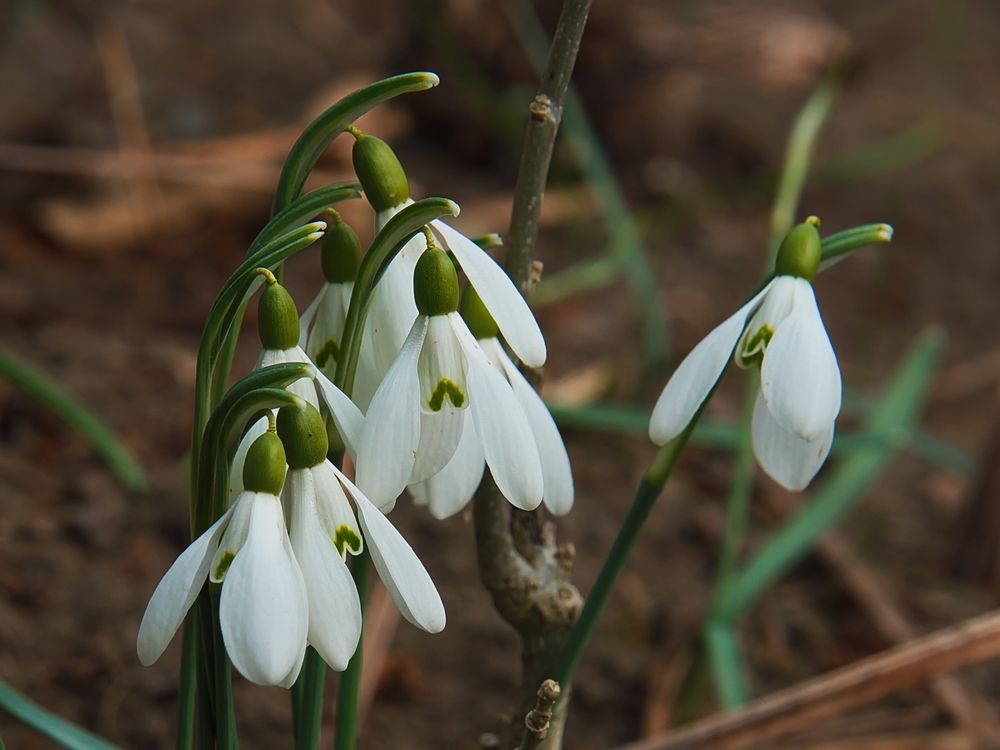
{"x": 350, "y": 680}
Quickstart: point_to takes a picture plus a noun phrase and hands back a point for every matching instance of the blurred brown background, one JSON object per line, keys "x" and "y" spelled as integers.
{"x": 139, "y": 144}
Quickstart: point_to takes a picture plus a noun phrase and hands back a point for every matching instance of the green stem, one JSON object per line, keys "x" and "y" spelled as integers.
{"x": 350, "y": 680}
{"x": 188, "y": 684}
{"x": 58, "y": 730}
{"x": 307, "y": 701}
{"x": 649, "y": 489}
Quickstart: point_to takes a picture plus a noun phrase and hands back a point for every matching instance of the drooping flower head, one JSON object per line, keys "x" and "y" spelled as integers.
{"x": 393, "y": 307}
{"x": 263, "y": 610}
{"x": 448, "y": 491}
{"x": 800, "y": 393}
{"x": 419, "y": 413}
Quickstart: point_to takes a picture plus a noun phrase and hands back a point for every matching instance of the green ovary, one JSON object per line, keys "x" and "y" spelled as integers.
{"x": 346, "y": 538}
{"x": 446, "y": 388}
{"x": 224, "y": 562}
{"x": 329, "y": 352}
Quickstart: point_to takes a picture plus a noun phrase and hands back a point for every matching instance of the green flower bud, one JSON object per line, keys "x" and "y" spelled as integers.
{"x": 800, "y": 251}
{"x": 379, "y": 172}
{"x": 341, "y": 253}
{"x": 264, "y": 468}
{"x": 277, "y": 318}
{"x": 476, "y": 316}
{"x": 435, "y": 283}
{"x": 304, "y": 435}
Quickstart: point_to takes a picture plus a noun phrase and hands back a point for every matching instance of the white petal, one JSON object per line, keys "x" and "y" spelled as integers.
{"x": 503, "y": 429}
{"x": 788, "y": 459}
{"x": 176, "y": 592}
{"x": 334, "y": 511}
{"x": 450, "y": 490}
{"x": 505, "y": 303}
{"x": 391, "y": 433}
{"x": 304, "y": 387}
{"x": 234, "y": 538}
{"x": 441, "y": 365}
{"x": 263, "y": 611}
{"x": 334, "y": 607}
{"x": 774, "y": 308}
{"x": 556, "y": 471}
{"x": 346, "y": 416}
{"x": 697, "y": 375}
{"x": 404, "y": 576}
{"x": 440, "y": 433}
{"x": 329, "y": 326}
{"x": 307, "y": 315}
{"x": 257, "y": 429}
{"x": 800, "y": 377}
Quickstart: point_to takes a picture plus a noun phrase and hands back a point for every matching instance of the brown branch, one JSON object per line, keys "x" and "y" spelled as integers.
{"x": 760, "y": 723}
{"x": 537, "y": 722}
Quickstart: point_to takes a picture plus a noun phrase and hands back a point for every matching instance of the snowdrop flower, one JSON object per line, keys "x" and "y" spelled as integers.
{"x": 327, "y": 313}
{"x": 324, "y": 529}
{"x": 800, "y": 386}
{"x": 393, "y": 306}
{"x": 263, "y": 610}
{"x": 448, "y": 491}
{"x": 278, "y": 328}
{"x": 418, "y": 414}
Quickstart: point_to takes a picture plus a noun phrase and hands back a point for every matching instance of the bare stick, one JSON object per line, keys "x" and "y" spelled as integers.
{"x": 536, "y": 723}
{"x": 520, "y": 564}
{"x": 764, "y": 720}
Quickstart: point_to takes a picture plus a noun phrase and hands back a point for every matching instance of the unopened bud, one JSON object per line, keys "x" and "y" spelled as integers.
{"x": 800, "y": 251}
{"x": 435, "y": 283}
{"x": 379, "y": 172}
{"x": 277, "y": 318}
{"x": 304, "y": 435}
{"x": 341, "y": 253}
{"x": 264, "y": 468}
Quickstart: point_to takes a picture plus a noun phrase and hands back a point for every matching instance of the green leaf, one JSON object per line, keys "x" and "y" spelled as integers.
{"x": 60, "y": 731}
{"x": 321, "y": 131}
{"x": 895, "y": 415}
{"x": 302, "y": 209}
{"x": 851, "y": 239}
{"x": 43, "y": 389}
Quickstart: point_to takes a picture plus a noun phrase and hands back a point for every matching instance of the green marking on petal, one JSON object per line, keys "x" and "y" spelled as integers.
{"x": 446, "y": 387}
{"x": 753, "y": 350}
{"x": 346, "y": 538}
{"x": 329, "y": 352}
{"x": 224, "y": 562}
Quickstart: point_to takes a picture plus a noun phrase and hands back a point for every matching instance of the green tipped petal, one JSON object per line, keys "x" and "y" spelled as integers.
{"x": 435, "y": 283}
{"x": 304, "y": 435}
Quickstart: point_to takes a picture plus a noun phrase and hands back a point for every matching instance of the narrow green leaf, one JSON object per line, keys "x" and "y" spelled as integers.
{"x": 303, "y": 209}
{"x": 321, "y": 131}
{"x": 851, "y": 239}
{"x": 728, "y": 671}
{"x": 60, "y": 731}
{"x": 43, "y": 389}
{"x": 895, "y": 414}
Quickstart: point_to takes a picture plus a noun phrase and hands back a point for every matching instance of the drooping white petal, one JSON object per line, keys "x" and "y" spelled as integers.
{"x": 556, "y": 471}
{"x": 308, "y": 314}
{"x": 346, "y": 416}
{"x": 441, "y": 365}
{"x": 503, "y": 429}
{"x": 505, "y": 303}
{"x": 787, "y": 458}
{"x": 234, "y": 538}
{"x": 450, "y": 490}
{"x": 404, "y": 576}
{"x": 697, "y": 375}
{"x": 334, "y": 607}
{"x": 176, "y": 592}
{"x": 391, "y": 432}
{"x": 800, "y": 377}
{"x": 440, "y": 433}
{"x": 264, "y": 611}
{"x": 304, "y": 387}
{"x": 774, "y": 308}
{"x": 334, "y": 510}
{"x": 257, "y": 429}
{"x": 323, "y": 343}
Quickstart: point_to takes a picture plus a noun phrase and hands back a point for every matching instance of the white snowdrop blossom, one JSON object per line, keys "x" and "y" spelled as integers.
{"x": 441, "y": 381}
{"x": 324, "y": 528}
{"x": 449, "y": 490}
{"x": 393, "y": 307}
{"x": 263, "y": 609}
{"x": 779, "y": 330}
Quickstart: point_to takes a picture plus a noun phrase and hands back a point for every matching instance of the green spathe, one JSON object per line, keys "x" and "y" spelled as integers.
{"x": 341, "y": 254}
{"x": 476, "y": 316}
{"x": 304, "y": 435}
{"x": 379, "y": 172}
{"x": 800, "y": 251}
{"x": 435, "y": 283}
{"x": 277, "y": 318}
{"x": 264, "y": 468}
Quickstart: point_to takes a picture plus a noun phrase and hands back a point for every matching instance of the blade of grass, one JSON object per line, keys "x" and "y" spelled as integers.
{"x": 60, "y": 731}
{"x": 896, "y": 413}
{"x": 43, "y": 389}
